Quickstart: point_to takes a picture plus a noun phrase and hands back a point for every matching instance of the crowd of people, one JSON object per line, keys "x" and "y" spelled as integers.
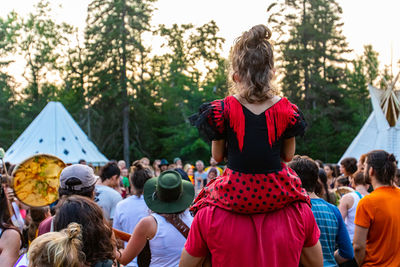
{"x": 264, "y": 207}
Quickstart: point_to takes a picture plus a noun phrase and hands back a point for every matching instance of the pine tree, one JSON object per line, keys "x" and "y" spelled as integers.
{"x": 190, "y": 74}
{"x": 8, "y": 35}
{"x": 113, "y": 40}
{"x": 311, "y": 57}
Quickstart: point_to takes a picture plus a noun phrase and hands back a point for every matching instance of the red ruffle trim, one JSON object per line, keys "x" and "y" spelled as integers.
{"x": 217, "y": 116}
{"x": 279, "y": 117}
{"x": 252, "y": 193}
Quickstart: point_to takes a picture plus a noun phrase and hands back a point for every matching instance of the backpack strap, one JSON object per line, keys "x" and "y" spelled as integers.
{"x": 358, "y": 194}
{"x": 177, "y": 223}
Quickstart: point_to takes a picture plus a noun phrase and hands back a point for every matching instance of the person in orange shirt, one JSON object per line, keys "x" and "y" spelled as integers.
{"x": 377, "y": 231}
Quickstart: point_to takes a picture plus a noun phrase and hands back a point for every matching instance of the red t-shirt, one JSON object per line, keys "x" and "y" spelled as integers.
{"x": 45, "y": 226}
{"x": 270, "y": 239}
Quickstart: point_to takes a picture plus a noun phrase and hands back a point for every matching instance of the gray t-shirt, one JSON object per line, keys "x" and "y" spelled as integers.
{"x": 107, "y": 198}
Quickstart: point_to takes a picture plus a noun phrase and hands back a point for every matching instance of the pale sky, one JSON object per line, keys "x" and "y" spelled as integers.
{"x": 365, "y": 21}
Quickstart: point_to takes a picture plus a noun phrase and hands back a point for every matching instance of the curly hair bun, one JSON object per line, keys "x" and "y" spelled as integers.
{"x": 138, "y": 165}
{"x": 74, "y": 231}
{"x": 252, "y": 59}
{"x": 257, "y": 35}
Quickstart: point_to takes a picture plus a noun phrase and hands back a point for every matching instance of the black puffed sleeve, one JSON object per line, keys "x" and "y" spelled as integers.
{"x": 297, "y": 124}
{"x": 210, "y": 120}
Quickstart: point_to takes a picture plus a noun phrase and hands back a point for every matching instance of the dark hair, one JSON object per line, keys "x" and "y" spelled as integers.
{"x": 322, "y": 177}
{"x": 336, "y": 170}
{"x": 349, "y": 164}
{"x": 5, "y": 216}
{"x": 331, "y": 167}
{"x": 359, "y": 178}
{"x": 7, "y": 164}
{"x": 98, "y": 241}
{"x": 37, "y": 216}
{"x": 109, "y": 170}
{"x": 214, "y": 170}
{"x": 307, "y": 170}
{"x": 383, "y": 164}
{"x": 139, "y": 176}
{"x": 343, "y": 181}
{"x": 252, "y": 59}
{"x": 86, "y": 192}
{"x": 10, "y": 169}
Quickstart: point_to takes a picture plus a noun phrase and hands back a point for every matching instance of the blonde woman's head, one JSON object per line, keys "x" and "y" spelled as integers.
{"x": 58, "y": 249}
{"x": 252, "y": 65}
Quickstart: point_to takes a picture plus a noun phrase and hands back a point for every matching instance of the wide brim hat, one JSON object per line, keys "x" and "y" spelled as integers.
{"x": 168, "y": 193}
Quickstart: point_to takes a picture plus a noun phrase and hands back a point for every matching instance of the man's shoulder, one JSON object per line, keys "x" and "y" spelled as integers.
{"x": 321, "y": 202}
{"x": 107, "y": 189}
{"x": 379, "y": 195}
{"x": 297, "y": 210}
{"x": 107, "y": 192}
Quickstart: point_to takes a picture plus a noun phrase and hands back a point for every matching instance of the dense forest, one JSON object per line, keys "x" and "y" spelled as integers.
{"x": 133, "y": 102}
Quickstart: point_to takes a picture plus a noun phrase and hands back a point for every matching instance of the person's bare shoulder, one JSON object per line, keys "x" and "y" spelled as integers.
{"x": 147, "y": 226}
{"x": 11, "y": 238}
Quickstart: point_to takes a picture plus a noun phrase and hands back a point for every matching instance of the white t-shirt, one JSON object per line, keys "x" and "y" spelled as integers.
{"x": 127, "y": 214}
{"x": 107, "y": 198}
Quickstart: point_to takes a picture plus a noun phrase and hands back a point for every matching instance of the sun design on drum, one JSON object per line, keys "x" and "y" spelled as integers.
{"x": 36, "y": 180}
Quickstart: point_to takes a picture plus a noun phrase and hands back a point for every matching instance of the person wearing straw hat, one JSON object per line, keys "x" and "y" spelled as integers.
{"x": 168, "y": 197}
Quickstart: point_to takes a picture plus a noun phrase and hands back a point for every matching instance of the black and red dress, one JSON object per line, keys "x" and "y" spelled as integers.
{"x": 255, "y": 180}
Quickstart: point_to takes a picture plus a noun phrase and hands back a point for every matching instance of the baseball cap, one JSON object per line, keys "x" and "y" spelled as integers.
{"x": 76, "y": 177}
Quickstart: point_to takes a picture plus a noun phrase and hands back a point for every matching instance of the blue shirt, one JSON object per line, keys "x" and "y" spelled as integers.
{"x": 333, "y": 231}
{"x": 127, "y": 214}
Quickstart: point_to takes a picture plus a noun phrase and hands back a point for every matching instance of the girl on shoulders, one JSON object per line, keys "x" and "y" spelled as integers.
{"x": 255, "y": 129}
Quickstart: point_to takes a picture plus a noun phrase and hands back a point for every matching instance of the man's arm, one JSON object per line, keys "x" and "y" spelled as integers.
{"x": 359, "y": 243}
{"x": 339, "y": 259}
{"x": 345, "y": 251}
{"x": 188, "y": 260}
{"x": 312, "y": 256}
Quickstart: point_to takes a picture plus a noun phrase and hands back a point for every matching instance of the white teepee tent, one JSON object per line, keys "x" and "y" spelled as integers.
{"x": 55, "y": 132}
{"x": 382, "y": 129}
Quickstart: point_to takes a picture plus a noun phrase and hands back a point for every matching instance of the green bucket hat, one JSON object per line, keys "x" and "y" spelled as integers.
{"x": 168, "y": 193}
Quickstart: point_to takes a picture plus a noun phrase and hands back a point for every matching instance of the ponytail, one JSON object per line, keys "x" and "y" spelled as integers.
{"x": 58, "y": 249}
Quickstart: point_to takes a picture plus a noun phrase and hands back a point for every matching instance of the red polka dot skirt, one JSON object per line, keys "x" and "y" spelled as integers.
{"x": 252, "y": 193}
